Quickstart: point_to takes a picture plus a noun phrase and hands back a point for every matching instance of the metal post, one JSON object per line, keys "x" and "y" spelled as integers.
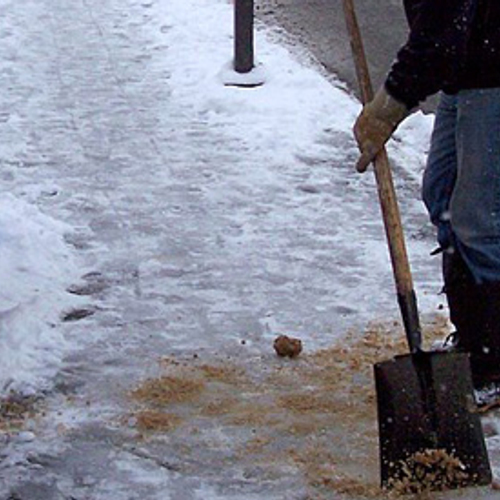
{"x": 243, "y": 36}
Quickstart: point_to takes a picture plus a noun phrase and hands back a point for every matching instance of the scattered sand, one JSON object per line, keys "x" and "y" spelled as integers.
{"x": 150, "y": 420}
{"x": 15, "y": 409}
{"x": 168, "y": 390}
{"x": 315, "y": 413}
{"x": 430, "y": 470}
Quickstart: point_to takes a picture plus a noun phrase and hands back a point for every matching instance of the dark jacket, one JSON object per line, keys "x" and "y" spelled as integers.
{"x": 453, "y": 45}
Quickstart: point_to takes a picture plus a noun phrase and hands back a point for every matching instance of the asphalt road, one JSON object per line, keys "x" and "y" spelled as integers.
{"x": 319, "y": 25}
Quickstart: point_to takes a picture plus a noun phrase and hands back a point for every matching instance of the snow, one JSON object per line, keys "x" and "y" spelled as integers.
{"x": 35, "y": 266}
{"x": 294, "y": 113}
{"x": 192, "y": 215}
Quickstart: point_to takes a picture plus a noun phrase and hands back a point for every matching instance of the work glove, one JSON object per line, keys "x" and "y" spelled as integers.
{"x": 375, "y": 125}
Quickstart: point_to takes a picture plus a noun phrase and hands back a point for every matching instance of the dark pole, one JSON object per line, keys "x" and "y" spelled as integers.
{"x": 243, "y": 36}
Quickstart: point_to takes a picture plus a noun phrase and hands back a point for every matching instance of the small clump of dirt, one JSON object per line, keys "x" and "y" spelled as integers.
{"x": 287, "y": 346}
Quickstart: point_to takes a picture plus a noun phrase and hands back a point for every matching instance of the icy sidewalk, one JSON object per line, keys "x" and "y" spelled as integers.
{"x": 206, "y": 219}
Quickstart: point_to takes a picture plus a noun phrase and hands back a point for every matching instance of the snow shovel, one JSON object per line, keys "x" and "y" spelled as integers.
{"x": 430, "y": 435}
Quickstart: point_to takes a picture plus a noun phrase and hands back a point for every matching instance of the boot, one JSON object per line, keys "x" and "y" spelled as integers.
{"x": 485, "y": 364}
{"x": 475, "y": 313}
{"x": 459, "y": 285}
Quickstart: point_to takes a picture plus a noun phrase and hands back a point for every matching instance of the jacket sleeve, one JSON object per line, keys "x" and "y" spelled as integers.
{"x": 436, "y": 50}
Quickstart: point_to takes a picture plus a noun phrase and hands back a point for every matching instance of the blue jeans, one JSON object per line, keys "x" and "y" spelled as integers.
{"x": 461, "y": 186}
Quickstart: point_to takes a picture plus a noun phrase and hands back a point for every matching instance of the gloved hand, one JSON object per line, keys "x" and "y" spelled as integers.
{"x": 375, "y": 125}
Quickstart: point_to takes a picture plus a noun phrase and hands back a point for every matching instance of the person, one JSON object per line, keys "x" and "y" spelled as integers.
{"x": 454, "y": 48}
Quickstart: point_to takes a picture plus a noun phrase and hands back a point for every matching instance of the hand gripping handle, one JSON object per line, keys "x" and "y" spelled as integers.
{"x": 387, "y": 197}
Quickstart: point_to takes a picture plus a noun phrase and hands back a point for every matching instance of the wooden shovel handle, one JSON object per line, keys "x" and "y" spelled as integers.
{"x": 387, "y": 197}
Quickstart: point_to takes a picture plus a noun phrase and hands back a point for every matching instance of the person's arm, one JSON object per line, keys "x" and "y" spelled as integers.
{"x": 431, "y": 60}
{"x": 436, "y": 50}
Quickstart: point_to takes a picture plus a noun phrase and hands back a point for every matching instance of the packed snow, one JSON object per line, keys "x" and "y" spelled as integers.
{"x": 35, "y": 267}
{"x": 292, "y": 114}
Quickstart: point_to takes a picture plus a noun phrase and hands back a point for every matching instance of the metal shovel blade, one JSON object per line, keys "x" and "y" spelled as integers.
{"x": 426, "y": 402}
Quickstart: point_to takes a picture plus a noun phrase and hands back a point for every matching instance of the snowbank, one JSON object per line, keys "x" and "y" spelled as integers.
{"x": 36, "y": 266}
